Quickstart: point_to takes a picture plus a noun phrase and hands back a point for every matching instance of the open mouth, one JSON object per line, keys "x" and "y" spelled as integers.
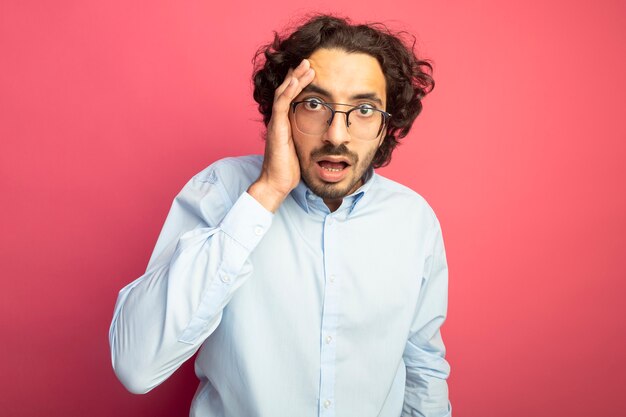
{"x": 332, "y": 166}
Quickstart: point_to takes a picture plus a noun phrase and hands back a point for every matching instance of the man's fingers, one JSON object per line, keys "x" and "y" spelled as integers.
{"x": 301, "y": 82}
{"x": 302, "y": 68}
{"x": 284, "y": 85}
{"x": 298, "y": 72}
{"x": 293, "y": 87}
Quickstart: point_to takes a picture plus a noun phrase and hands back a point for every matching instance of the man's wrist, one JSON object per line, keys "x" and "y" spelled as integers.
{"x": 266, "y": 195}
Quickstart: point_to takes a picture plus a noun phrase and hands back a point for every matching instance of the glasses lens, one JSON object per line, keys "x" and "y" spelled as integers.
{"x": 364, "y": 122}
{"x": 312, "y": 117}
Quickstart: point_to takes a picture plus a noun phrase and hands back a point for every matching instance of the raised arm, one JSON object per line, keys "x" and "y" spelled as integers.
{"x": 201, "y": 257}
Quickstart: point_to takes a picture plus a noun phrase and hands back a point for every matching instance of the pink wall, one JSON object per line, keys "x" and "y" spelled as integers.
{"x": 108, "y": 107}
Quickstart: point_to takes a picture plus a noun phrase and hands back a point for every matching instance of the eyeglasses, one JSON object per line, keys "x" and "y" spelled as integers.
{"x": 314, "y": 117}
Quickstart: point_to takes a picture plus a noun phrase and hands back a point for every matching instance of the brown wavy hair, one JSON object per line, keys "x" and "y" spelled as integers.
{"x": 408, "y": 78}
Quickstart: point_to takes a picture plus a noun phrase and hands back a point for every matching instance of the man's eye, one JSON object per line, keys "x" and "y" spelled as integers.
{"x": 313, "y": 104}
{"x": 365, "y": 110}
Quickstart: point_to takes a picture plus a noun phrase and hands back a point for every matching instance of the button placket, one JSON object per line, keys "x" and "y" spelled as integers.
{"x": 329, "y": 318}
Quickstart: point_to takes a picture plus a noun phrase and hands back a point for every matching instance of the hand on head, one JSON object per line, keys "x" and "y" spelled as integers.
{"x": 281, "y": 170}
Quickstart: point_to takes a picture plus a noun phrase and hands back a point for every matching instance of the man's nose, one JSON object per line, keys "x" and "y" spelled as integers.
{"x": 337, "y": 132}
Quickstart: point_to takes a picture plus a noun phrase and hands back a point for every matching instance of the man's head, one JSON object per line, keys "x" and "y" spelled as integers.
{"x": 407, "y": 78}
{"x": 337, "y": 122}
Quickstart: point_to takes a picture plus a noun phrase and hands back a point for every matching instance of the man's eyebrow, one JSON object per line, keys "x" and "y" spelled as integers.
{"x": 312, "y": 88}
{"x": 368, "y": 96}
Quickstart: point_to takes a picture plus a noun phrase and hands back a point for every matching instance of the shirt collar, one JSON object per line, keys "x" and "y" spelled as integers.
{"x": 306, "y": 199}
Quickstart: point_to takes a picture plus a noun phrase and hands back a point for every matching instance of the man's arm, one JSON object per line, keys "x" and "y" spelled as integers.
{"x": 426, "y": 392}
{"x": 201, "y": 258}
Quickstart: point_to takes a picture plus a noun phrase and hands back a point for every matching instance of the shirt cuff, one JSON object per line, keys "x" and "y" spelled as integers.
{"x": 247, "y": 221}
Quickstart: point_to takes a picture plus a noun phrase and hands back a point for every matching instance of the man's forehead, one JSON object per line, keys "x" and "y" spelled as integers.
{"x": 346, "y": 74}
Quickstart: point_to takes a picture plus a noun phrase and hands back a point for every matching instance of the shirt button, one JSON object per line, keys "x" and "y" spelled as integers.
{"x": 329, "y": 339}
{"x": 327, "y": 404}
{"x": 329, "y": 221}
{"x": 332, "y": 278}
{"x": 226, "y": 279}
{"x": 258, "y": 230}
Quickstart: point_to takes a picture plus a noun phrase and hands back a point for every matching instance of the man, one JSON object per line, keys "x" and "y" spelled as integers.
{"x": 311, "y": 285}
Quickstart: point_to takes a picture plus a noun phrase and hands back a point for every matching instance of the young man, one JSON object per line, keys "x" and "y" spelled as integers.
{"x": 311, "y": 285}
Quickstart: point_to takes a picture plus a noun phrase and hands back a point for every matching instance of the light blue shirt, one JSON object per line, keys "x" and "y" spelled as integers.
{"x": 300, "y": 313}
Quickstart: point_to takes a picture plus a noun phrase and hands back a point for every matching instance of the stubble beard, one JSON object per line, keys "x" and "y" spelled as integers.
{"x": 333, "y": 191}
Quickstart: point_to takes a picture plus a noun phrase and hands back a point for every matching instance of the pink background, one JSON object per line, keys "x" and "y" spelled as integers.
{"x": 108, "y": 107}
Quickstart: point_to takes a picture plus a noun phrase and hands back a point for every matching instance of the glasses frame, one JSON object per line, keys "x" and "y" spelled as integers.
{"x": 386, "y": 116}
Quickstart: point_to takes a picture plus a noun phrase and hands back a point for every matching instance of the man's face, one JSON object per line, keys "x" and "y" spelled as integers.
{"x": 332, "y": 164}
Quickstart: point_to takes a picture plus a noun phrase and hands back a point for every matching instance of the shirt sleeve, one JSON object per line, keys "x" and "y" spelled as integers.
{"x": 426, "y": 390}
{"x": 201, "y": 258}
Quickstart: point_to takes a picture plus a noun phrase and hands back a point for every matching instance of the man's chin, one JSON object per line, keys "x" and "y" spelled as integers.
{"x": 331, "y": 190}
